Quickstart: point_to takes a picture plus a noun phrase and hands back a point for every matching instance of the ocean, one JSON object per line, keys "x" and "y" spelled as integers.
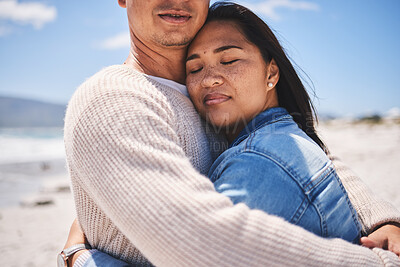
{"x": 28, "y": 157}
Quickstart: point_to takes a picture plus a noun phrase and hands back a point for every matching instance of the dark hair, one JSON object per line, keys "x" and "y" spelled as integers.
{"x": 292, "y": 94}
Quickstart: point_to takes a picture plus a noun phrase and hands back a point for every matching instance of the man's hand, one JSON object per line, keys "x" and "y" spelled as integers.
{"x": 76, "y": 236}
{"x": 386, "y": 237}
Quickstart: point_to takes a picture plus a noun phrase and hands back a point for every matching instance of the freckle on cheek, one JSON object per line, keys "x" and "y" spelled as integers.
{"x": 235, "y": 73}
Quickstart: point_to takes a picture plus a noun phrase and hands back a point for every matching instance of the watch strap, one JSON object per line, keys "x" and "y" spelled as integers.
{"x": 75, "y": 248}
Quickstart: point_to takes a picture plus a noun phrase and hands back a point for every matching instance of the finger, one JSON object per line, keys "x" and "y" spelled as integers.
{"x": 395, "y": 249}
{"x": 368, "y": 242}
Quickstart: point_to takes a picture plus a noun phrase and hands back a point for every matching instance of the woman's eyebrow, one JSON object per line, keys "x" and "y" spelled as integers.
{"x": 218, "y": 50}
{"x": 192, "y": 57}
{"x": 226, "y": 47}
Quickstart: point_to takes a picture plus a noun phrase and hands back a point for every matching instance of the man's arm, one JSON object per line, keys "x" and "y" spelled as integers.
{"x": 127, "y": 155}
{"x": 373, "y": 212}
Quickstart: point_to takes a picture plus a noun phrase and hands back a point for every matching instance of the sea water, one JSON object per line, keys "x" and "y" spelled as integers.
{"x": 30, "y": 144}
{"x": 27, "y": 157}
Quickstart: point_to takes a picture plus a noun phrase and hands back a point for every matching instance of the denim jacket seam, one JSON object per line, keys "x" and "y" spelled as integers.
{"x": 280, "y": 118}
{"x": 274, "y": 157}
{"x": 250, "y": 140}
{"x": 270, "y": 156}
{"x": 322, "y": 217}
{"x": 353, "y": 212}
{"x": 253, "y": 131}
{"x": 247, "y": 141}
{"x": 217, "y": 172}
{"x": 294, "y": 176}
{"x": 327, "y": 170}
{"x": 300, "y": 210}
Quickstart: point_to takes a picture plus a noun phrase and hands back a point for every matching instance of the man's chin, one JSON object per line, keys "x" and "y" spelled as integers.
{"x": 177, "y": 42}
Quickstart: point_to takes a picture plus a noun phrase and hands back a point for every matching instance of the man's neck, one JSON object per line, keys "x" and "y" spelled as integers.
{"x": 168, "y": 63}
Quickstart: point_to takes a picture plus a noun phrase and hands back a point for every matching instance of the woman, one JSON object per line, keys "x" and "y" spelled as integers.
{"x": 241, "y": 82}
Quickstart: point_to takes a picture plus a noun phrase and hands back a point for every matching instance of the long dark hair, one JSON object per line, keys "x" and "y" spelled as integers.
{"x": 292, "y": 94}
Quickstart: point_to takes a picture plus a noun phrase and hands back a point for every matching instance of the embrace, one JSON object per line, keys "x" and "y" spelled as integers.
{"x": 226, "y": 170}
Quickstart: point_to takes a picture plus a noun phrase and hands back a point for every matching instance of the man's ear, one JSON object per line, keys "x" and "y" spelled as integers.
{"x": 272, "y": 74}
{"x": 122, "y": 3}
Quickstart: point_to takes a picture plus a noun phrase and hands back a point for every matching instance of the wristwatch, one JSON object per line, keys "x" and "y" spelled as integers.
{"x": 68, "y": 252}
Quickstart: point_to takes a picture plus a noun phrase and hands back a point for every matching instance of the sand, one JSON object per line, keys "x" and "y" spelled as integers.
{"x": 32, "y": 234}
{"x": 34, "y": 226}
{"x": 372, "y": 151}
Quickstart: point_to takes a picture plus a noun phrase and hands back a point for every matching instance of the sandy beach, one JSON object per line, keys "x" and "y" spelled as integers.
{"x": 372, "y": 151}
{"x": 37, "y": 208}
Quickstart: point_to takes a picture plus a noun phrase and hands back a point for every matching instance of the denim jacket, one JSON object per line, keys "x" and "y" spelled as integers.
{"x": 274, "y": 166}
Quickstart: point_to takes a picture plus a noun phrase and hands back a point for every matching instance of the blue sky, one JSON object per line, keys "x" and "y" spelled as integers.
{"x": 350, "y": 49}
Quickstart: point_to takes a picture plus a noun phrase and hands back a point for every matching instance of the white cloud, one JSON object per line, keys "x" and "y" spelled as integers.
{"x": 269, "y": 7}
{"x": 5, "y": 30}
{"x": 34, "y": 13}
{"x": 118, "y": 41}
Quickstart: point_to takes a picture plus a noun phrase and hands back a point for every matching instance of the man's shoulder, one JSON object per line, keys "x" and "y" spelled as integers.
{"x": 111, "y": 76}
{"x": 115, "y": 88}
{"x": 117, "y": 81}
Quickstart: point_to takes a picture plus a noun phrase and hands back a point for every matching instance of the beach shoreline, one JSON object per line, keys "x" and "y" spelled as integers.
{"x": 34, "y": 228}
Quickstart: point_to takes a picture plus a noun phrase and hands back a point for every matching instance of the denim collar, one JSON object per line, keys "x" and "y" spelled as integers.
{"x": 266, "y": 117}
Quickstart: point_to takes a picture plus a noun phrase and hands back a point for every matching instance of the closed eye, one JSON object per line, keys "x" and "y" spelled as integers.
{"x": 229, "y": 62}
{"x": 196, "y": 70}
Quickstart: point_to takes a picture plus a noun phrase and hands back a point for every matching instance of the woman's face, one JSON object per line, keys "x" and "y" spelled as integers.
{"x": 227, "y": 77}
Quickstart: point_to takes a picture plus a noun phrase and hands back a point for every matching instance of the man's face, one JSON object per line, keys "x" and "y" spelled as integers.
{"x": 166, "y": 23}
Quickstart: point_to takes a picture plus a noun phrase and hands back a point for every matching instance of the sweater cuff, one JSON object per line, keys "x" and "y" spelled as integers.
{"x": 82, "y": 259}
{"x": 385, "y": 221}
{"x": 389, "y": 259}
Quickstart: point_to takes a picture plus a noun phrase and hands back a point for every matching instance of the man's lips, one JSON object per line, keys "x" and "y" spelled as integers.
{"x": 215, "y": 98}
{"x": 175, "y": 16}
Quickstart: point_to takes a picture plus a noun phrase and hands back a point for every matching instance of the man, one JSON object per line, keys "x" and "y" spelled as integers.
{"x": 132, "y": 140}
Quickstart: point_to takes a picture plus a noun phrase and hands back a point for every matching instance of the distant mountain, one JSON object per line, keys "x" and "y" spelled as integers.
{"x": 17, "y": 112}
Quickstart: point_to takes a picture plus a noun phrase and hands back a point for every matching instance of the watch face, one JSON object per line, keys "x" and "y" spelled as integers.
{"x": 60, "y": 261}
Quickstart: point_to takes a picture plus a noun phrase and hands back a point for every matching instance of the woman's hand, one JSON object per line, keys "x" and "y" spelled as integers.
{"x": 386, "y": 237}
{"x": 76, "y": 236}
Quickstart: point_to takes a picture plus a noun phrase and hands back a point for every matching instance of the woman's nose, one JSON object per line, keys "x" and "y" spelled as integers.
{"x": 211, "y": 78}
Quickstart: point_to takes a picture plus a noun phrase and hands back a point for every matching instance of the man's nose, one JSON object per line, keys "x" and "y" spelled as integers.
{"x": 179, "y": 1}
{"x": 211, "y": 78}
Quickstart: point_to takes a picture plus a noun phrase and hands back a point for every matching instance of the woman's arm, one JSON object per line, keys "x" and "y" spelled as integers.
{"x": 75, "y": 236}
{"x": 96, "y": 258}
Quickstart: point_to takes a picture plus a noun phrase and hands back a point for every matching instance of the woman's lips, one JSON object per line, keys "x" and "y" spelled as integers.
{"x": 175, "y": 16}
{"x": 215, "y": 98}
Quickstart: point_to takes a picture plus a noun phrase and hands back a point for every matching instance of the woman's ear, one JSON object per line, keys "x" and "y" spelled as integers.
{"x": 272, "y": 74}
{"x": 122, "y": 3}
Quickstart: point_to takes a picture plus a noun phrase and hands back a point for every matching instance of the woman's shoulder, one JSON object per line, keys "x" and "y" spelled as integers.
{"x": 287, "y": 147}
{"x": 283, "y": 138}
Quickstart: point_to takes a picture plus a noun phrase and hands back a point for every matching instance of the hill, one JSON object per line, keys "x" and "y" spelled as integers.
{"x": 17, "y": 112}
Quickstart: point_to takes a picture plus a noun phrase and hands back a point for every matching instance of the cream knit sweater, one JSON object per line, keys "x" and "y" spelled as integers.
{"x": 135, "y": 149}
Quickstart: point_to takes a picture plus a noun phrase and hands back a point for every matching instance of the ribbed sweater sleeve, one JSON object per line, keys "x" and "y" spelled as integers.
{"x": 124, "y": 151}
{"x": 372, "y": 211}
